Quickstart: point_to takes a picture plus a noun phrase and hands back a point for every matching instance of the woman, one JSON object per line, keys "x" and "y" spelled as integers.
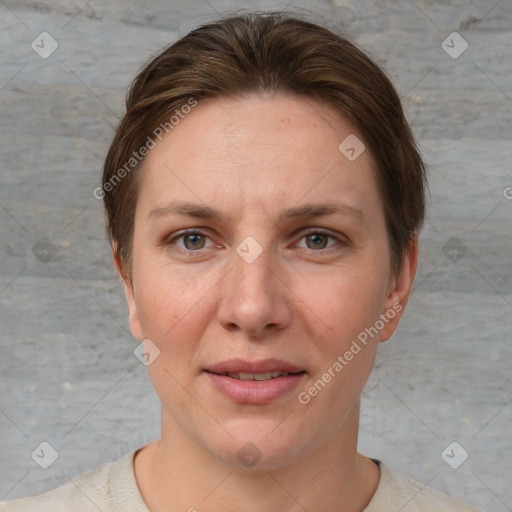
{"x": 264, "y": 196}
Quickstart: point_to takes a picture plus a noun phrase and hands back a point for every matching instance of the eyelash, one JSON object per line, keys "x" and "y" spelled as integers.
{"x": 180, "y": 235}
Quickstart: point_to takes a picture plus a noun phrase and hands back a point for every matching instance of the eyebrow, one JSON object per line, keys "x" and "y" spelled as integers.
{"x": 309, "y": 210}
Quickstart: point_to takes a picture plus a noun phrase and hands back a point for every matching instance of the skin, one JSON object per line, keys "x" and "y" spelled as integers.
{"x": 304, "y": 300}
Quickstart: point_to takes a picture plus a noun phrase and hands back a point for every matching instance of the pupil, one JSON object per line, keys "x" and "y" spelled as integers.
{"x": 195, "y": 241}
{"x": 317, "y": 240}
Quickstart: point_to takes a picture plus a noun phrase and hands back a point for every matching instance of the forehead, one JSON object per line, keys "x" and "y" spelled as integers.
{"x": 273, "y": 151}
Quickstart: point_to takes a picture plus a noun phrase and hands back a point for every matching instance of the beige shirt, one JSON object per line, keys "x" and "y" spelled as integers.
{"x": 112, "y": 488}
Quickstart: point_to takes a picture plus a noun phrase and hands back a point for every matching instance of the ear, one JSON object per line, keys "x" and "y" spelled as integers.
{"x": 129, "y": 292}
{"x": 399, "y": 289}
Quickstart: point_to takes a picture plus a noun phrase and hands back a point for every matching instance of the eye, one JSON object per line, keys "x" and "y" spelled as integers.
{"x": 194, "y": 240}
{"x": 188, "y": 241}
{"x": 317, "y": 240}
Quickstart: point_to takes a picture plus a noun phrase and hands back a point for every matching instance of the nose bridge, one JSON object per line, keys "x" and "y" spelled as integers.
{"x": 252, "y": 267}
{"x": 252, "y": 297}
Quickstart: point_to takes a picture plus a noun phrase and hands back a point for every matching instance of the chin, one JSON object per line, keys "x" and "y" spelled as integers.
{"x": 258, "y": 446}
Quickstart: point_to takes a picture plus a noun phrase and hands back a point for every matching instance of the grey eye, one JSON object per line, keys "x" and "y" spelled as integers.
{"x": 318, "y": 240}
{"x": 195, "y": 241}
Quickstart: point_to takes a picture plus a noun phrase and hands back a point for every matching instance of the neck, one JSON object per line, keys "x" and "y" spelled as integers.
{"x": 175, "y": 473}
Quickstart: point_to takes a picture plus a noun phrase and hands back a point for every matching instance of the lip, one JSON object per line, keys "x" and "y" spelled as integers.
{"x": 263, "y": 366}
{"x": 254, "y": 392}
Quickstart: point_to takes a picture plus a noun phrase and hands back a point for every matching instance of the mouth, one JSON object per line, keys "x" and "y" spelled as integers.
{"x": 255, "y": 376}
{"x": 266, "y": 369}
{"x": 251, "y": 382}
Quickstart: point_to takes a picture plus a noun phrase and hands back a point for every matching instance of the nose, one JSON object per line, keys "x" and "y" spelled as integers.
{"x": 254, "y": 298}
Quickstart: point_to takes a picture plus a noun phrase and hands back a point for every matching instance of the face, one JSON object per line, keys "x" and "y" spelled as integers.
{"x": 260, "y": 261}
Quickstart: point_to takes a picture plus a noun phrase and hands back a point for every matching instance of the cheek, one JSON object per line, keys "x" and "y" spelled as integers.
{"x": 162, "y": 298}
{"x": 173, "y": 312}
{"x": 173, "y": 305}
{"x": 344, "y": 301}
{"x": 341, "y": 350}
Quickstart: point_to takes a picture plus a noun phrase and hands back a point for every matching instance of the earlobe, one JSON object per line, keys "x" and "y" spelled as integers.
{"x": 129, "y": 293}
{"x": 400, "y": 290}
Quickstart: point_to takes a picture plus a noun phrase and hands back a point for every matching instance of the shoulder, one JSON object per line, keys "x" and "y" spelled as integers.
{"x": 88, "y": 491}
{"x": 397, "y": 491}
{"x": 91, "y": 491}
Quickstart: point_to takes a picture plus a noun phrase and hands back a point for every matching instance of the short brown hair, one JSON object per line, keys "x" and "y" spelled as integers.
{"x": 269, "y": 53}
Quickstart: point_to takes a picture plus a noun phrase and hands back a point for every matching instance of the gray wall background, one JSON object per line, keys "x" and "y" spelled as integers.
{"x": 68, "y": 375}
